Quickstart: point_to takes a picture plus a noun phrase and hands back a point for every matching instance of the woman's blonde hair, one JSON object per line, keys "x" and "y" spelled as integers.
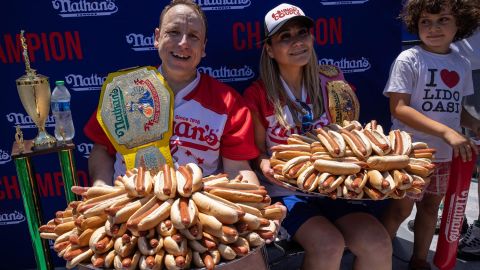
{"x": 276, "y": 93}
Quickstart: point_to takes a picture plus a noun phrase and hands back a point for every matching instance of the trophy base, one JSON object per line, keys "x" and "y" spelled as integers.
{"x": 43, "y": 141}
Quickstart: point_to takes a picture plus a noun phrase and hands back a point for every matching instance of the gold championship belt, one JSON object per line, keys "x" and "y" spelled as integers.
{"x": 342, "y": 102}
{"x": 136, "y": 113}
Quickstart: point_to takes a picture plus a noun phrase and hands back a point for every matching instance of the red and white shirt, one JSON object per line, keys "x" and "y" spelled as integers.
{"x": 210, "y": 121}
{"x": 256, "y": 98}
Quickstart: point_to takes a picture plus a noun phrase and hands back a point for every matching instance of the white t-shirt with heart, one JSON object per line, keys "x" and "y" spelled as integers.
{"x": 437, "y": 84}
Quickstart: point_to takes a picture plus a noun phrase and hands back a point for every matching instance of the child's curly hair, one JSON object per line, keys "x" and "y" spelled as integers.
{"x": 466, "y": 13}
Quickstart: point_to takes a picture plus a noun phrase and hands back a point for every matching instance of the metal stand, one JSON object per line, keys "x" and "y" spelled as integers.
{"x": 31, "y": 197}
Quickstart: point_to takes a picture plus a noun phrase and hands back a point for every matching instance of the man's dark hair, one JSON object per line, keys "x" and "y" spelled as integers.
{"x": 188, "y": 3}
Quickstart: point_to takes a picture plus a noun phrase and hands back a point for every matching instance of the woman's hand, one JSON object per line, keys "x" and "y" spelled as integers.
{"x": 268, "y": 173}
{"x": 461, "y": 145}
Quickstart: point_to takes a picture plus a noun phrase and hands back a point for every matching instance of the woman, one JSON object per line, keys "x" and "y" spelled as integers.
{"x": 287, "y": 99}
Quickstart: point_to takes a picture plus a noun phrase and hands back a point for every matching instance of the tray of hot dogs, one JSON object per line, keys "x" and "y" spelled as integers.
{"x": 174, "y": 219}
{"x": 354, "y": 162}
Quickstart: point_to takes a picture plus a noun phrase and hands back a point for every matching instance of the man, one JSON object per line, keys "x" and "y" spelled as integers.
{"x": 201, "y": 103}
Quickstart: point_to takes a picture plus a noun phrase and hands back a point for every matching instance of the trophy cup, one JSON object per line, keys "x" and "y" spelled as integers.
{"x": 34, "y": 92}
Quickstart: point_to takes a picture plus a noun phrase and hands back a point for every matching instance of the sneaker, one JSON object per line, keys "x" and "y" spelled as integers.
{"x": 470, "y": 243}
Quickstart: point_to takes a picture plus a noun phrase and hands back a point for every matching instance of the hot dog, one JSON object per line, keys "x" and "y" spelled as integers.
{"x": 335, "y": 167}
{"x": 358, "y": 142}
{"x": 328, "y": 182}
{"x": 208, "y": 259}
{"x": 295, "y": 166}
{"x": 76, "y": 256}
{"x": 178, "y": 262}
{"x": 290, "y": 147}
{"x": 127, "y": 263}
{"x": 227, "y": 252}
{"x": 100, "y": 242}
{"x": 238, "y": 195}
{"x": 229, "y": 234}
{"x": 183, "y": 213}
{"x": 150, "y": 215}
{"x": 225, "y": 211}
{"x": 387, "y": 163}
{"x": 333, "y": 141}
{"x": 373, "y": 125}
{"x": 379, "y": 142}
{"x": 400, "y": 141}
{"x": 96, "y": 191}
{"x": 308, "y": 179}
{"x": 307, "y": 138}
{"x": 93, "y": 222}
{"x": 420, "y": 166}
{"x": 115, "y": 230}
{"x": 289, "y": 154}
{"x": 272, "y": 212}
{"x": 80, "y": 239}
{"x": 403, "y": 180}
{"x": 150, "y": 244}
{"x": 176, "y": 245}
{"x": 241, "y": 247}
{"x": 189, "y": 179}
{"x": 152, "y": 262}
{"x": 398, "y": 194}
{"x": 126, "y": 245}
{"x": 96, "y": 208}
{"x": 381, "y": 181}
{"x": 104, "y": 260}
{"x": 352, "y": 125}
{"x": 418, "y": 184}
{"x": 213, "y": 179}
{"x": 165, "y": 183}
{"x": 123, "y": 213}
{"x": 254, "y": 240}
{"x": 350, "y": 194}
{"x": 373, "y": 193}
{"x": 165, "y": 228}
{"x": 139, "y": 183}
{"x": 355, "y": 182}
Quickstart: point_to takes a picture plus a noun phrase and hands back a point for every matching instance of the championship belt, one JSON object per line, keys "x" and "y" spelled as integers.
{"x": 136, "y": 113}
{"x": 342, "y": 102}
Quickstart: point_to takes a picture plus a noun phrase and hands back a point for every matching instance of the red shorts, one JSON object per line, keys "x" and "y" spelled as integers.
{"x": 438, "y": 182}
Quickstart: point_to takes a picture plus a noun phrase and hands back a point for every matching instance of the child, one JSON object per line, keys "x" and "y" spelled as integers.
{"x": 288, "y": 99}
{"x": 426, "y": 88}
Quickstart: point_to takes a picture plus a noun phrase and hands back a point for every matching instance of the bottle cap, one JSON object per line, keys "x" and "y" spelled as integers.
{"x": 59, "y": 82}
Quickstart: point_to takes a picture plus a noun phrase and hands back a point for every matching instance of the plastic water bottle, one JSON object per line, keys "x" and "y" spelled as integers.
{"x": 60, "y": 99}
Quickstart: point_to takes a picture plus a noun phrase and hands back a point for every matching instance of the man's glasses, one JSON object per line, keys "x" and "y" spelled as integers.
{"x": 307, "y": 117}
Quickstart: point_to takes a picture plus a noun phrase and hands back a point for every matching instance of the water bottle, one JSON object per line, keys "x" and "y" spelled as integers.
{"x": 60, "y": 99}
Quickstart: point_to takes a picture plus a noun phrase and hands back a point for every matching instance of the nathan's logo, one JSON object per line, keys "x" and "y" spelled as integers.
{"x": 79, "y": 82}
{"x": 4, "y": 157}
{"x": 225, "y": 74}
{"x": 337, "y": 2}
{"x": 85, "y": 149}
{"x": 223, "y": 4}
{"x": 141, "y": 42}
{"x": 191, "y": 128}
{"x": 118, "y": 111}
{"x": 25, "y": 121}
{"x": 348, "y": 65}
{"x": 84, "y": 8}
{"x": 12, "y": 218}
{"x": 454, "y": 222}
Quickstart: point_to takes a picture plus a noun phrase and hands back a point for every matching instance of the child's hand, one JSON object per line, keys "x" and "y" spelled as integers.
{"x": 460, "y": 144}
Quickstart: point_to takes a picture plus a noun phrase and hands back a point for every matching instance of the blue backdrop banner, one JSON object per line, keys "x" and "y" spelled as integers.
{"x": 81, "y": 41}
